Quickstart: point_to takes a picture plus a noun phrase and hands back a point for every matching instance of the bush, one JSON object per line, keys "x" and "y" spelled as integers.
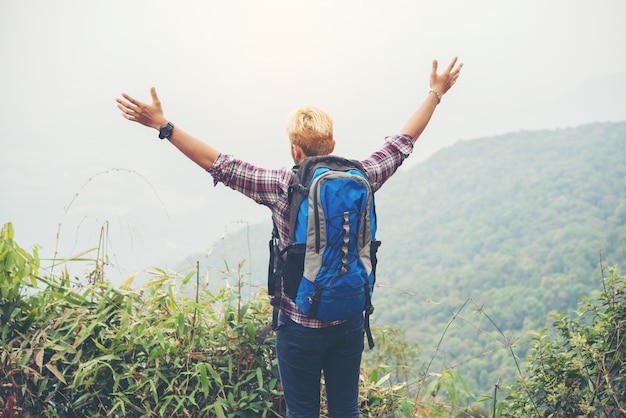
{"x": 107, "y": 351}
{"x": 583, "y": 372}
{"x": 100, "y": 350}
{"x": 68, "y": 350}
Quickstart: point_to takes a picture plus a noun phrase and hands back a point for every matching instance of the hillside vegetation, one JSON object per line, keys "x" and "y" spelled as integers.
{"x": 86, "y": 347}
{"x": 509, "y": 228}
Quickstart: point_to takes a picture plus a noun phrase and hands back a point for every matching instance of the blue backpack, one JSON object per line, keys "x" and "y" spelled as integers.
{"x": 329, "y": 265}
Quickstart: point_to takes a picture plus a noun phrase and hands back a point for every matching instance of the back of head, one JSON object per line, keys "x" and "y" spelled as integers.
{"x": 312, "y": 129}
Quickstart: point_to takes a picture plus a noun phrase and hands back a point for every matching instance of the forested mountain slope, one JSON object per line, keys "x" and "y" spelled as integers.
{"x": 514, "y": 223}
{"x": 531, "y": 209}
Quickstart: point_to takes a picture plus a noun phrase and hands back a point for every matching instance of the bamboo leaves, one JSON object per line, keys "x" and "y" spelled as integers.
{"x": 109, "y": 351}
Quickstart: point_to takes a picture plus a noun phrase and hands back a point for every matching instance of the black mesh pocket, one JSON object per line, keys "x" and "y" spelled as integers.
{"x": 293, "y": 269}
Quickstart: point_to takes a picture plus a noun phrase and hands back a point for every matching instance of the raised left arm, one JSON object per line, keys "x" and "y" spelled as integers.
{"x": 439, "y": 85}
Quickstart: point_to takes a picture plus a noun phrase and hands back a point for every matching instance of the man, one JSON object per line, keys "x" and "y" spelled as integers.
{"x": 305, "y": 347}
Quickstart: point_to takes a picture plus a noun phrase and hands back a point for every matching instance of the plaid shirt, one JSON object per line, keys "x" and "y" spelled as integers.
{"x": 269, "y": 187}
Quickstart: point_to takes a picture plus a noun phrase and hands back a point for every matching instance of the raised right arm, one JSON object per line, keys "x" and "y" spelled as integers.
{"x": 151, "y": 115}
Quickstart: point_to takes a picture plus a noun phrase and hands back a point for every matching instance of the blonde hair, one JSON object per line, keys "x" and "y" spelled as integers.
{"x": 312, "y": 129}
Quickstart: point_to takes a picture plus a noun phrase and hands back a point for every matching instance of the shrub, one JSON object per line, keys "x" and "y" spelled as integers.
{"x": 582, "y": 373}
{"x": 101, "y": 350}
{"x": 114, "y": 351}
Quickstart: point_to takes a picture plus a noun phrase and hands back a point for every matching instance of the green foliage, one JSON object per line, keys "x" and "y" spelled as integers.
{"x": 386, "y": 373}
{"x": 109, "y": 351}
{"x": 17, "y": 267}
{"x": 393, "y": 356}
{"x": 583, "y": 371}
{"x": 515, "y": 222}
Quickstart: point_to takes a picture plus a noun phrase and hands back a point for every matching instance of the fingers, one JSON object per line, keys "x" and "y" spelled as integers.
{"x": 452, "y": 64}
{"x": 127, "y": 107}
{"x": 128, "y": 103}
{"x": 153, "y": 93}
{"x": 148, "y": 114}
{"x": 455, "y": 73}
{"x": 130, "y": 99}
{"x": 443, "y": 81}
{"x": 125, "y": 112}
{"x": 125, "y": 104}
{"x": 450, "y": 69}
{"x": 453, "y": 70}
{"x": 131, "y": 107}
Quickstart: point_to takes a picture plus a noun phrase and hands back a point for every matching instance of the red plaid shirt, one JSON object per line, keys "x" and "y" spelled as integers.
{"x": 269, "y": 187}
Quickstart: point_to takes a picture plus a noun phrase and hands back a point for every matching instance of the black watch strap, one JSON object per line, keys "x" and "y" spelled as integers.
{"x": 166, "y": 130}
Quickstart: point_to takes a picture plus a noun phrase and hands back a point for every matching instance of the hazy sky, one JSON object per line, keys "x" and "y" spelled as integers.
{"x": 229, "y": 72}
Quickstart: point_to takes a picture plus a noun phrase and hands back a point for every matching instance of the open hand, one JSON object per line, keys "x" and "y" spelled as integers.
{"x": 147, "y": 114}
{"x": 444, "y": 81}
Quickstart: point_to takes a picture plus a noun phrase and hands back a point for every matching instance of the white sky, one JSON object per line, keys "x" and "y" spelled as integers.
{"x": 229, "y": 72}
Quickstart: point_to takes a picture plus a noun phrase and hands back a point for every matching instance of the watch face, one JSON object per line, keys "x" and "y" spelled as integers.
{"x": 165, "y": 131}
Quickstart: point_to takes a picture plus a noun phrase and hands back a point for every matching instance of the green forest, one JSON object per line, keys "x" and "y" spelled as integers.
{"x": 502, "y": 231}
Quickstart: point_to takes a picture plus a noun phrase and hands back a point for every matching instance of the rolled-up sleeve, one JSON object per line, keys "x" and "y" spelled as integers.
{"x": 217, "y": 171}
{"x": 264, "y": 186}
{"x": 383, "y": 163}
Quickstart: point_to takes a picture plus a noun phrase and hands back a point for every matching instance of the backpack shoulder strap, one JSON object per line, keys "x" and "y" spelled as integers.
{"x": 303, "y": 174}
{"x": 332, "y": 162}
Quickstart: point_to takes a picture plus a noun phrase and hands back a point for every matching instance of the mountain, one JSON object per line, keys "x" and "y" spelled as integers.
{"x": 483, "y": 241}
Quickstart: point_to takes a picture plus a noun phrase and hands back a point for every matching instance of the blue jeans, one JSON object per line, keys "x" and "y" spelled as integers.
{"x": 303, "y": 353}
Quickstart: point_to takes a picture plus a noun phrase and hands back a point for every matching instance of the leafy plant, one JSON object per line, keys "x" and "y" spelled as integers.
{"x": 582, "y": 372}
{"x": 16, "y": 267}
{"x": 115, "y": 351}
{"x": 101, "y": 350}
{"x": 110, "y": 351}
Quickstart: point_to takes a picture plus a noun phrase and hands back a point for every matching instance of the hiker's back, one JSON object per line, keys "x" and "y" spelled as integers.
{"x": 330, "y": 261}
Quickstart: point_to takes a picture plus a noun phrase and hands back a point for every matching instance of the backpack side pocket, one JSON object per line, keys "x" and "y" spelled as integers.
{"x": 292, "y": 271}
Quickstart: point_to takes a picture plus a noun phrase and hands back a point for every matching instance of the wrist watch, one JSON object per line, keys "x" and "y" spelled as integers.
{"x": 166, "y": 130}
